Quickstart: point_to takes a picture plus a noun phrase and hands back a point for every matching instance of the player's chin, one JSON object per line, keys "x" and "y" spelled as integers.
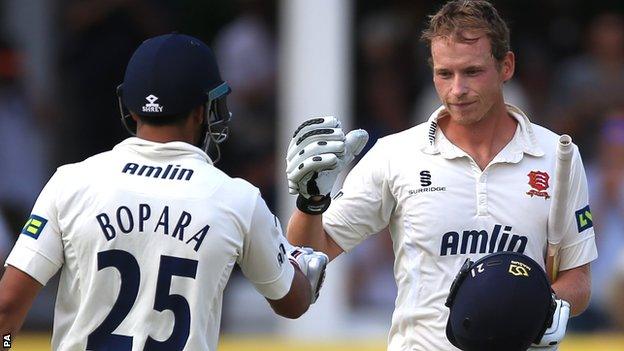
{"x": 465, "y": 119}
{"x": 463, "y": 114}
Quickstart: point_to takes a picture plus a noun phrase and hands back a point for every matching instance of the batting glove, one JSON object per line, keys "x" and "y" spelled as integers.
{"x": 557, "y": 329}
{"x": 312, "y": 264}
{"x": 317, "y": 153}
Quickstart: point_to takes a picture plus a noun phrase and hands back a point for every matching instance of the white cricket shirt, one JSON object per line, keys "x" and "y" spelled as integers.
{"x": 441, "y": 208}
{"x": 146, "y": 236}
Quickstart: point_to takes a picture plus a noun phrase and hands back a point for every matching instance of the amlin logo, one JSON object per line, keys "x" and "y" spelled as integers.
{"x": 151, "y": 105}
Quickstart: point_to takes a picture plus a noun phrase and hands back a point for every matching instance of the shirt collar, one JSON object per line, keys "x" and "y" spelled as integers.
{"x": 159, "y": 150}
{"x": 523, "y": 141}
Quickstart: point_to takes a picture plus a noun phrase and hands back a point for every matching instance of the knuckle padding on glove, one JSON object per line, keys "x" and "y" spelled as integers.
{"x": 319, "y": 123}
{"x": 308, "y": 123}
{"x": 314, "y": 149}
{"x": 314, "y": 164}
{"x": 315, "y": 132}
{"x": 318, "y": 151}
{"x": 312, "y": 139}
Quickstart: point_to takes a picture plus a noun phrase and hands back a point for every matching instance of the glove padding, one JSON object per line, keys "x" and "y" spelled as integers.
{"x": 318, "y": 152}
{"x": 556, "y": 331}
{"x": 312, "y": 264}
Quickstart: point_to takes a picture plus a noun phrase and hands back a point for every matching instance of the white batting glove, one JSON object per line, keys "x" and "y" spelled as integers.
{"x": 312, "y": 264}
{"x": 317, "y": 153}
{"x": 556, "y": 331}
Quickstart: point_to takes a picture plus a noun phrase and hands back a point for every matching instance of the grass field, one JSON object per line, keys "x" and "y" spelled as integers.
{"x": 41, "y": 342}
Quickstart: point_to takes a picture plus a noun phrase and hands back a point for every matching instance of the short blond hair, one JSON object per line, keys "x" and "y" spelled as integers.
{"x": 458, "y": 16}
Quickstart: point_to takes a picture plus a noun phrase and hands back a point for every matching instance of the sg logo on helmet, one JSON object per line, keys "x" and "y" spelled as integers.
{"x": 518, "y": 270}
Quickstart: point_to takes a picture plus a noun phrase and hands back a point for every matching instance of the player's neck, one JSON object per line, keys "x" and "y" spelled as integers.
{"x": 482, "y": 140}
{"x": 165, "y": 134}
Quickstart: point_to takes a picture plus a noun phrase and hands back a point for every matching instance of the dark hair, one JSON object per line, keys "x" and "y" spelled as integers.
{"x": 458, "y": 16}
{"x": 175, "y": 119}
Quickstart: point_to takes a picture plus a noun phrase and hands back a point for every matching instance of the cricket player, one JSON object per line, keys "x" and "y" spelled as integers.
{"x": 476, "y": 178}
{"x": 146, "y": 235}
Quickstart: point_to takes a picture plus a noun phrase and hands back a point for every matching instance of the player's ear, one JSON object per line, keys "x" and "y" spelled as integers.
{"x": 196, "y": 116}
{"x": 508, "y": 66}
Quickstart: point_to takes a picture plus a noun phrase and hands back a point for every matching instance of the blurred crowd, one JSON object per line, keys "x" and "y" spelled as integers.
{"x": 60, "y": 62}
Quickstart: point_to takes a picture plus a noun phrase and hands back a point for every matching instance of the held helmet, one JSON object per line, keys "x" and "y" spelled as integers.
{"x": 501, "y": 302}
{"x": 172, "y": 74}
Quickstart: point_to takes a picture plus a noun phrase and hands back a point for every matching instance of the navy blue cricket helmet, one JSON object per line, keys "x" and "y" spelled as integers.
{"x": 172, "y": 74}
{"x": 503, "y": 301}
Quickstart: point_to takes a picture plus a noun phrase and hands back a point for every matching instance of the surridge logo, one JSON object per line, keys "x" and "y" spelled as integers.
{"x": 151, "y": 105}
{"x": 425, "y": 178}
{"x": 425, "y": 183}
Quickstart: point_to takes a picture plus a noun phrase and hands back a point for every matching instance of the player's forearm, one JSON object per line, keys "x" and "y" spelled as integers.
{"x": 17, "y": 293}
{"x": 297, "y": 300}
{"x": 8, "y": 323}
{"x": 574, "y": 286}
{"x": 11, "y": 317}
{"x": 307, "y": 230}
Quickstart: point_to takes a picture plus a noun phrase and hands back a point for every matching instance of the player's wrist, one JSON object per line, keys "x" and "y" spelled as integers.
{"x": 314, "y": 205}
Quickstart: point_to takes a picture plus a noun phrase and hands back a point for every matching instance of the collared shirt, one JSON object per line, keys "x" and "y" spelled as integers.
{"x": 146, "y": 236}
{"x": 441, "y": 208}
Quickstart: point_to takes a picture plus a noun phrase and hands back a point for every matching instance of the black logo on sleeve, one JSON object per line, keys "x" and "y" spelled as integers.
{"x": 6, "y": 341}
{"x": 338, "y": 195}
{"x": 281, "y": 254}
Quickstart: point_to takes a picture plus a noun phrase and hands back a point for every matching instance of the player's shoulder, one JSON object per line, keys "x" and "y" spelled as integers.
{"x": 543, "y": 134}
{"x": 239, "y": 185}
{"x": 412, "y": 138}
{"x": 238, "y": 198}
{"x": 233, "y": 192}
{"x": 73, "y": 178}
{"x": 81, "y": 169}
{"x": 546, "y": 138}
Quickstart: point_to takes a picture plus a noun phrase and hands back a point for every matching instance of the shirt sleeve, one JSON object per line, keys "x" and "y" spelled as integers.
{"x": 38, "y": 251}
{"x": 364, "y": 205}
{"x": 578, "y": 245}
{"x": 263, "y": 260}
